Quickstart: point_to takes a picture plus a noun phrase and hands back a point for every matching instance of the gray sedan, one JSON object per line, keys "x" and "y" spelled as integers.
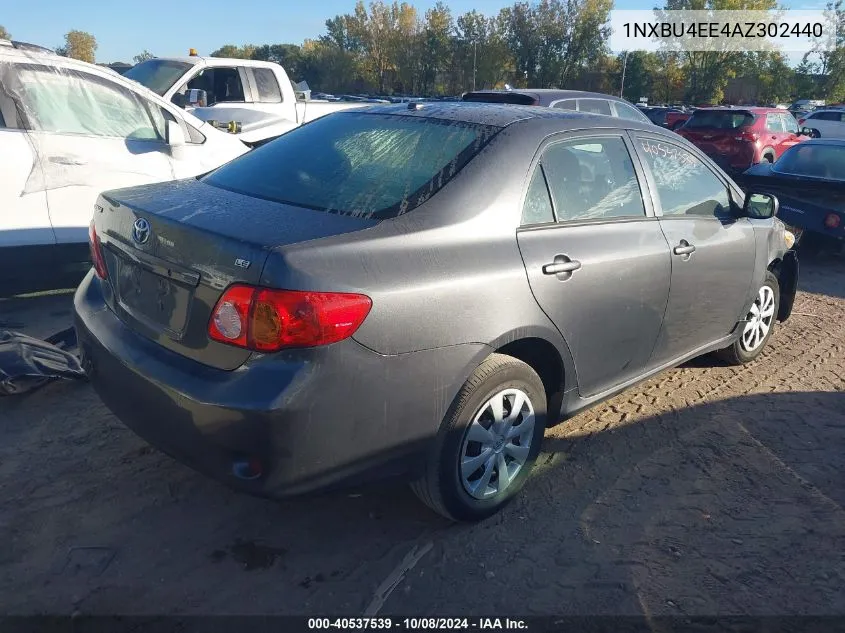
{"x": 419, "y": 291}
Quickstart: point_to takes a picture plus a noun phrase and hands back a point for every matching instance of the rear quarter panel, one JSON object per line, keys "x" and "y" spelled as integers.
{"x": 446, "y": 273}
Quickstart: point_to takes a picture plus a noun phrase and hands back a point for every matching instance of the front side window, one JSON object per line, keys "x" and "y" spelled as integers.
{"x": 594, "y": 106}
{"x": 789, "y": 123}
{"x": 826, "y": 116}
{"x": 592, "y": 179}
{"x": 685, "y": 186}
{"x": 267, "y": 85}
{"x": 220, "y": 84}
{"x": 355, "y": 163}
{"x": 774, "y": 123}
{"x": 70, "y": 102}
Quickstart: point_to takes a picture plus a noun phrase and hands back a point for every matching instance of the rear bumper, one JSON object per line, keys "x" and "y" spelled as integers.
{"x": 314, "y": 418}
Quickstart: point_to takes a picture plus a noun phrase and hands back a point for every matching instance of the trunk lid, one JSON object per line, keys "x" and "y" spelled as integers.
{"x": 171, "y": 249}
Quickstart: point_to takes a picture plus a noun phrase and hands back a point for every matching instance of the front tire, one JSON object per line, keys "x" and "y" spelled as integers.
{"x": 487, "y": 443}
{"x": 759, "y": 326}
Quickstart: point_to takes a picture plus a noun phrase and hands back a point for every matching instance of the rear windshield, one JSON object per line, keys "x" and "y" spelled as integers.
{"x": 719, "y": 119}
{"x": 516, "y": 98}
{"x": 811, "y": 159}
{"x": 355, "y": 163}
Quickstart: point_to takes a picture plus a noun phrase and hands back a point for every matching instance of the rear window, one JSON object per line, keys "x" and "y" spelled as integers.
{"x": 516, "y": 98}
{"x": 720, "y": 119}
{"x": 811, "y": 159}
{"x": 355, "y": 163}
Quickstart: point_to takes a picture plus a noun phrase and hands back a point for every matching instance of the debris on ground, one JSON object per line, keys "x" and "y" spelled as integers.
{"x": 28, "y": 363}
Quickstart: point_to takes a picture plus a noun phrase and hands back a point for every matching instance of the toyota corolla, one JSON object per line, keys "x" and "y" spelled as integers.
{"x": 419, "y": 291}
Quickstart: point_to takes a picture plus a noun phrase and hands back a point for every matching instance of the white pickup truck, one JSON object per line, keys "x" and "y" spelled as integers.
{"x": 255, "y": 100}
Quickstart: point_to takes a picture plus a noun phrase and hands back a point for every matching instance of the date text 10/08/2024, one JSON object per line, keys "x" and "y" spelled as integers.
{"x": 414, "y": 624}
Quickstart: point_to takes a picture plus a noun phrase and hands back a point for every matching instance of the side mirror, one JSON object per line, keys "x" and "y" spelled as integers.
{"x": 760, "y": 206}
{"x": 175, "y": 135}
{"x": 811, "y": 132}
{"x": 196, "y": 98}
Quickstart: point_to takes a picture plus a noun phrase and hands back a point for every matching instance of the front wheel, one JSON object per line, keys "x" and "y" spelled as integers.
{"x": 758, "y": 327}
{"x": 487, "y": 443}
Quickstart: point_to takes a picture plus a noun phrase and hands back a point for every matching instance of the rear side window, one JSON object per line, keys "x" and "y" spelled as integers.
{"x": 592, "y": 179}
{"x": 566, "y": 104}
{"x": 624, "y": 111}
{"x": 685, "y": 186}
{"x": 267, "y": 85}
{"x": 594, "y": 106}
{"x": 354, "y": 163}
{"x": 720, "y": 119}
{"x": 538, "y": 206}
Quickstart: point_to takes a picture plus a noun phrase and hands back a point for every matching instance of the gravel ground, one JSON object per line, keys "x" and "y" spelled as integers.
{"x": 706, "y": 490}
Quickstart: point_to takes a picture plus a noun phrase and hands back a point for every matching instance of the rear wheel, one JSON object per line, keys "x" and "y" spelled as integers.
{"x": 488, "y": 442}
{"x": 758, "y": 327}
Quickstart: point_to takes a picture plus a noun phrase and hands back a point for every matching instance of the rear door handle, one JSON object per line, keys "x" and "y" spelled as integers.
{"x": 561, "y": 265}
{"x": 684, "y": 248}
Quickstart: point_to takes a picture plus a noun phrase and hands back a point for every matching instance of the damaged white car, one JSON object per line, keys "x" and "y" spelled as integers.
{"x": 69, "y": 130}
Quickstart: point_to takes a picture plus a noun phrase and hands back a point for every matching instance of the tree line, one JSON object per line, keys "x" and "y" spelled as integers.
{"x": 392, "y": 48}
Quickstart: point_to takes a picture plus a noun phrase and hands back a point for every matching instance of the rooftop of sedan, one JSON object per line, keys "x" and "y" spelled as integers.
{"x": 502, "y": 115}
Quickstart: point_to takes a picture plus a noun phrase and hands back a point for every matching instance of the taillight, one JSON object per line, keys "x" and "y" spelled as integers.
{"x": 751, "y": 137}
{"x": 268, "y": 320}
{"x": 97, "y": 252}
{"x": 832, "y": 221}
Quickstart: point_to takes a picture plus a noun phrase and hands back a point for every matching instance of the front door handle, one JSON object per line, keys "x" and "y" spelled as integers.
{"x": 684, "y": 248}
{"x": 562, "y": 266}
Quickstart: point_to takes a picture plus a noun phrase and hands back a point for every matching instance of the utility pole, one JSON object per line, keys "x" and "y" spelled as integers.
{"x": 474, "y": 55}
{"x": 624, "y": 66}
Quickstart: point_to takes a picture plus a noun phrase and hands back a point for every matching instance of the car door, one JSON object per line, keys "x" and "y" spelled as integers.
{"x": 597, "y": 261}
{"x": 713, "y": 252}
{"x": 828, "y": 123}
{"x": 24, "y": 219}
{"x": 92, "y": 135}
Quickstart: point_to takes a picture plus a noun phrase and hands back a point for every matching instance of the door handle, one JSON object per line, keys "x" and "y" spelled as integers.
{"x": 561, "y": 266}
{"x": 66, "y": 160}
{"x": 684, "y": 248}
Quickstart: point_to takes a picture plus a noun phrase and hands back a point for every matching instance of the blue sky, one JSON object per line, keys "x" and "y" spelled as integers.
{"x": 171, "y": 27}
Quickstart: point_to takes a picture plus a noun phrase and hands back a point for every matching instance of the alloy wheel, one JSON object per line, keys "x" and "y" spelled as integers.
{"x": 759, "y": 320}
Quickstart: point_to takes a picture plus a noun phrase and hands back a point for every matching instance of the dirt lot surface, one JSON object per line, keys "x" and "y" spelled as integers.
{"x": 706, "y": 490}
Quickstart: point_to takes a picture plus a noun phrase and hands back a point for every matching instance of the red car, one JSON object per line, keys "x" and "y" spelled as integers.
{"x": 736, "y": 138}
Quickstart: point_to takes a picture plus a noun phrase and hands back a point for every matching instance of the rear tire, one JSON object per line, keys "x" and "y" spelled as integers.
{"x": 479, "y": 463}
{"x": 756, "y": 333}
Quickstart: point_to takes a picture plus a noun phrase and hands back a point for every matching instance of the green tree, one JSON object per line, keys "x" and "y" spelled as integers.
{"x": 234, "y": 52}
{"x": 4, "y": 34}
{"x": 79, "y": 45}
{"x": 142, "y": 57}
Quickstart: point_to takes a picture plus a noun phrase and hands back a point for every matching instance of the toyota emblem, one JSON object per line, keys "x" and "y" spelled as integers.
{"x": 141, "y": 231}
